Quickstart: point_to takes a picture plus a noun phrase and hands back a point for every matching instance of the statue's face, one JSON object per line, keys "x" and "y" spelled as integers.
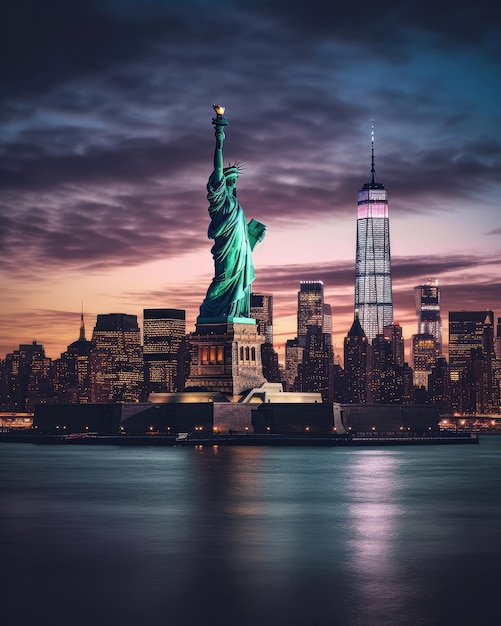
{"x": 231, "y": 184}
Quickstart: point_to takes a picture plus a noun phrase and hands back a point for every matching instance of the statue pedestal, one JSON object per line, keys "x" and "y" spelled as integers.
{"x": 225, "y": 356}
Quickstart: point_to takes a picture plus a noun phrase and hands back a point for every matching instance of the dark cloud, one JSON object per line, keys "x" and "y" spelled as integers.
{"x": 50, "y": 41}
{"x": 385, "y": 27}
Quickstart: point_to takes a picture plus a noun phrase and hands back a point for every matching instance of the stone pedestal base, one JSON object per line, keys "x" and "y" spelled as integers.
{"x": 226, "y": 357}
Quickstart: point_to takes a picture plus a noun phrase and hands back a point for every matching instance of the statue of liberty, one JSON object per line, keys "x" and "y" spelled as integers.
{"x": 228, "y": 295}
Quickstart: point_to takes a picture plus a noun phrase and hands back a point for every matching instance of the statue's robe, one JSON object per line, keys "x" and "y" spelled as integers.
{"x": 229, "y": 293}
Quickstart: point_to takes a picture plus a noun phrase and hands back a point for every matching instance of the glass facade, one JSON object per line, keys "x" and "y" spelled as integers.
{"x": 164, "y": 332}
{"x": 469, "y": 330}
{"x": 373, "y": 290}
{"x": 424, "y": 357}
{"x": 116, "y": 360}
{"x": 428, "y": 311}
{"x": 310, "y": 308}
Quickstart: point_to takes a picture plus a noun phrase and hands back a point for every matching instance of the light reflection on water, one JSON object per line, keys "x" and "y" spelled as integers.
{"x": 249, "y": 535}
{"x": 375, "y": 519}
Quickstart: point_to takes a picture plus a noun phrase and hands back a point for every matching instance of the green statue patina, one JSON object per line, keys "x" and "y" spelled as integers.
{"x": 228, "y": 296}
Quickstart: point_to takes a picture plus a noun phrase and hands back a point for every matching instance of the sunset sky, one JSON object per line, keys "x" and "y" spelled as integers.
{"x": 107, "y": 144}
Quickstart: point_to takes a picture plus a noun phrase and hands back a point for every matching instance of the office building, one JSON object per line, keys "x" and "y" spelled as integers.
{"x": 439, "y": 386}
{"x": 310, "y": 308}
{"x": 427, "y": 298}
{"x": 72, "y": 377}
{"x": 469, "y": 330}
{"x": 424, "y": 356}
{"x": 27, "y": 378}
{"x": 497, "y": 341}
{"x": 116, "y": 362}
{"x": 355, "y": 364}
{"x": 394, "y": 334}
{"x": 293, "y": 360}
{"x": 373, "y": 290}
{"x": 327, "y": 326}
{"x": 317, "y": 370}
{"x": 164, "y": 350}
{"x": 261, "y": 309}
{"x": 472, "y": 361}
{"x": 381, "y": 371}
{"x": 497, "y": 353}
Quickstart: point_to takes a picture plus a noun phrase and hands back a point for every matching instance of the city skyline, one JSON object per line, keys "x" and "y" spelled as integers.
{"x": 106, "y": 149}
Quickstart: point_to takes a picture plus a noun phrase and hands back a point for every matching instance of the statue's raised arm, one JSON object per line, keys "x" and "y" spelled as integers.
{"x": 219, "y": 123}
{"x": 228, "y": 296}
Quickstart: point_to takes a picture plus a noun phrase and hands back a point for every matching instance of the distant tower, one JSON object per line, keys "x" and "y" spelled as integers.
{"x": 310, "y": 308}
{"x": 164, "y": 353}
{"x": 73, "y": 370}
{"x": 293, "y": 360}
{"x": 373, "y": 293}
{"x": 497, "y": 341}
{"x": 261, "y": 309}
{"x": 439, "y": 386}
{"x": 424, "y": 356}
{"x": 472, "y": 362}
{"x": 327, "y": 321}
{"x": 116, "y": 359}
{"x": 428, "y": 311}
{"x": 27, "y": 378}
{"x": 393, "y": 332}
{"x": 469, "y": 330}
{"x": 318, "y": 364}
{"x": 355, "y": 363}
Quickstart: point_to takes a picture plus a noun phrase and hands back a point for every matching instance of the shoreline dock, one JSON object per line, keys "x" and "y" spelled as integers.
{"x": 355, "y": 440}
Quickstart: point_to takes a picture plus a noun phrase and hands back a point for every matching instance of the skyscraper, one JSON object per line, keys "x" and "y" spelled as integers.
{"x": 424, "y": 356}
{"x": 27, "y": 378}
{"x": 428, "y": 311}
{"x": 318, "y": 364}
{"x": 310, "y": 308}
{"x": 469, "y": 330}
{"x": 293, "y": 360}
{"x": 73, "y": 370}
{"x": 373, "y": 292}
{"x": 393, "y": 332}
{"x": 497, "y": 340}
{"x": 261, "y": 309}
{"x": 472, "y": 361}
{"x": 439, "y": 386}
{"x": 164, "y": 332}
{"x": 116, "y": 359}
{"x": 355, "y": 363}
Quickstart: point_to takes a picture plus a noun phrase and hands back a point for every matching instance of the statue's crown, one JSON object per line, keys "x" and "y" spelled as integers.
{"x": 232, "y": 170}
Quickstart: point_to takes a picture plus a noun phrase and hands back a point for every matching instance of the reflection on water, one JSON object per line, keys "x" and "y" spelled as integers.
{"x": 249, "y": 536}
{"x": 375, "y": 519}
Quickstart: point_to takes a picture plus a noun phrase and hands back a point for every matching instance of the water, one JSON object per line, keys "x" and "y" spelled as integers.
{"x": 250, "y": 536}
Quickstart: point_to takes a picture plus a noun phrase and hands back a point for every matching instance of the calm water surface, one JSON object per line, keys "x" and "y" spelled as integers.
{"x": 250, "y": 536}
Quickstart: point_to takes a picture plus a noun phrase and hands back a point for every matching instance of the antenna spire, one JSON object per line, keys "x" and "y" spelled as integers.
{"x": 373, "y": 168}
{"x": 82, "y": 326}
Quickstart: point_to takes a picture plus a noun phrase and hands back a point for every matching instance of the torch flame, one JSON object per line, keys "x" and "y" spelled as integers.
{"x": 218, "y": 109}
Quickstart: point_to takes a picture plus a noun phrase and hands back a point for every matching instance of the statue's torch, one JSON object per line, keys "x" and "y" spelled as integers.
{"x": 219, "y": 120}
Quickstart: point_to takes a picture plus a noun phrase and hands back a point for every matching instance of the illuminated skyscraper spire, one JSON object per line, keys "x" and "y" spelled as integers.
{"x": 373, "y": 292}
{"x": 373, "y": 167}
{"x": 82, "y": 327}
